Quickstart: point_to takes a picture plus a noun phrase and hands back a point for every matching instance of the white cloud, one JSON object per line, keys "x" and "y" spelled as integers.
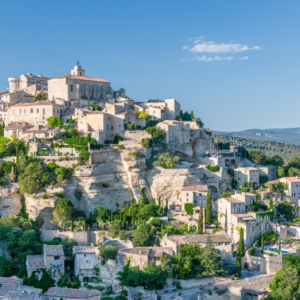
{"x": 212, "y": 47}
{"x": 244, "y": 58}
{"x": 205, "y": 58}
{"x": 185, "y": 47}
{"x": 189, "y": 39}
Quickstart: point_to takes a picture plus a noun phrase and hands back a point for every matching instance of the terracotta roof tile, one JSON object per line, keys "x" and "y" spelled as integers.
{"x": 291, "y": 179}
{"x": 81, "y": 78}
{"x": 84, "y": 249}
{"x": 196, "y": 188}
{"x": 199, "y": 238}
{"x": 232, "y": 200}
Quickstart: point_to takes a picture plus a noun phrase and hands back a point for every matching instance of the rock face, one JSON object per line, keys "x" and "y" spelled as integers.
{"x": 115, "y": 177}
{"x": 10, "y": 201}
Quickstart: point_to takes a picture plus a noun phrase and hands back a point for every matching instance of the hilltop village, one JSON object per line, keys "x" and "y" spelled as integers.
{"x": 105, "y": 197}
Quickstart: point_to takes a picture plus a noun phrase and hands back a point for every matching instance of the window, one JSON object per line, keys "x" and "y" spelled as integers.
{"x": 37, "y": 110}
{"x": 187, "y": 136}
{"x": 0, "y": 285}
{"x": 13, "y": 111}
{"x": 58, "y": 111}
{"x": 250, "y": 238}
{"x": 88, "y": 262}
{"x": 108, "y": 118}
{"x": 119, "y": 119}
{"x": 227, "y": 244}
{"x": 56, "y": 257}
{"x": 220, "y": 244}
{"x": 25, "y": 111}
{"x": 84, "y": 255}
{"x": 71, "y": 87}
{"x": 239, "y": 178}
{"x": 107, "y": 127}
{"x": 98, "y": 118}
{"x": 20, "y": 110}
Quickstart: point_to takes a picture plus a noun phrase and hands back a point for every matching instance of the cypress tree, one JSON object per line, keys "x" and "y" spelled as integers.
{"x": 192, "y": 115}
{"x": 111, "y": 217}
{"x": 124, "y": 222}
{"x": 84, "y": 225}
{"x": 208, "y": 211}
{"x": 166, "y": 208}
{"x": 159, "y": 201}
{"x": 162, "y": 229}
{"x": 270, "y": 203}
{"x": 132, "y": 222}
{"x": 200, "y": 219}
{"x": 279, "y": 246}
{"x": 120, "y": 217}
{"x": 240, "y": 253}
{"x": 91, "y": 221}
{"x": 262, "y": 244}
{"x": 72, "y": 226}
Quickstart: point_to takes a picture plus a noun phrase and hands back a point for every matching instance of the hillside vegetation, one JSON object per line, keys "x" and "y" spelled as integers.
{"x": 271, "y": 148}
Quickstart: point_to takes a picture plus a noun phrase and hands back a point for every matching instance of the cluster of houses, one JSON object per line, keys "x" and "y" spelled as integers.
{"x": 68, "y": 97}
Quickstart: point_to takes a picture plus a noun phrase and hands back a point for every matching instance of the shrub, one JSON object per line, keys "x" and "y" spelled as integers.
{"x": 167, "y": 160}
{"x": 109, "y": 252}
{"x": 209, "y": 292}
{"x": 117, "y": 139}
{"x": 59, "y": 194}
{"x": 146, "y": 143}
{"x": 104, "y": 184}
{"x": 188, "y": 207}
{"x": 121, "y": 147}
{"x": 251, "y": 251}
{"x": 7, "y": 166}
{"x": 123, "y": 235}
{"x": 45, "y": 196}
{"x": 71, "y": 121}
{"x": 95, "y": 107}
{"x": 134, "y": 154}
{"x": 212, "y": 168}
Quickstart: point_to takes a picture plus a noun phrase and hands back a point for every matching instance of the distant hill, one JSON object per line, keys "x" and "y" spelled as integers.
{"x": 285, "y": 150}
{"x": 284, "y": 135}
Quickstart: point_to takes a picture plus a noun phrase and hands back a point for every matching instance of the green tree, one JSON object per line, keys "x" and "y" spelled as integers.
{"x": 84, "y": 225}
{"x": 133, "y": 221}
{"x": 72, "y": 226}
{"x": 144, "y": 199}
{"x": 294, "y": 162}
{"x": 258, "y": 156}
{"x": 270, "y": 203}
{"x": 95, "y": 107}
{"x": 166, "y": 208}
{"x": 200, "y": 219}
{"x": 108, "y": 252}
{"x": 124, "y": 222}
{"x": 286, "y": 284}
{"x": 286, "y": 210}
{"x": 41, "y": 96}
{"x": 158, "y": 133}
{"x": 192, "y": 115}
{"x": 281, "y": 171}
{"x": 208, "y": 211}
{"x": 148, "y": 211}
{"x": 142, "y": 237}
{"x": 62, "y": 211}
{"x": 54, "y": 121}
{"x": 240, "y": 253}
{"x": 114, "y": 228}
{"x": 34, "y": 178}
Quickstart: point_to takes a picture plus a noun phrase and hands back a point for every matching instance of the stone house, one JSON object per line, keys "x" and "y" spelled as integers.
{"x": 141, "y": 256}
{"x": 25, "y": 81}
{"x": 246, "y": 174}
{"x": 56, "y": 293}
{"x": 53, "y": 259}
{"x": 103, "y": 126}
{"x": 293, "y": 188}
{"x": 77, "y": 86}
{"x": 172, "y": 109}
{"x": 222, "y": 242}
{"x": 35, "y": 113}
{"x": 270, "y": 171}
{"x": 85, "y": 260}
{"x": 16, "y": 129}
{"x": 233, "y": 213}
{"x": 8, "y": 284}
{"x": 39, "y": 132}
{"x": 12, "y": 98}
{"x": 24, "y": 293}
{"x": 176, "y": 132}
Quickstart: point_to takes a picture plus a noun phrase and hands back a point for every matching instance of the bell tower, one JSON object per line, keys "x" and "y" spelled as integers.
{"x": 78, "y": 70}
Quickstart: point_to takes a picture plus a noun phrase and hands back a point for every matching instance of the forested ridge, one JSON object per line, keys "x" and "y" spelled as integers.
{"x": 286, "y": 151}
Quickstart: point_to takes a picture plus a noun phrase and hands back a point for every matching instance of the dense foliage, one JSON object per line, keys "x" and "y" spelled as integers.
{"x": 167, "y": 160}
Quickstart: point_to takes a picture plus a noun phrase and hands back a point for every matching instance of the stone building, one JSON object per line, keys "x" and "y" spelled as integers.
{"x": 270, "y": 171}
{"x": 293, "y": 188}
{"x": 85, "y": 260}
{"x": 35, "y": 113}
{"x": 70, "y": 294}
{"x": 103, "y": 126}
{"x": 234, "y": 212}
{"x": 246, "y": 174}
{"x": 222, "y": 242}
{"x": 25, "y": 81}
{"x": 8, "y": 284}
{"x": 53, "y": 258}
{"x": 176, "y": 132}
{"x": 24, "y": 293}
{"x": 141, "y": 256}
{"x": 77, "y": 86}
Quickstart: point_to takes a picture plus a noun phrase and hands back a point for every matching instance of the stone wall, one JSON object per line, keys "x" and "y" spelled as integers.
{"x": 117, "y": 243}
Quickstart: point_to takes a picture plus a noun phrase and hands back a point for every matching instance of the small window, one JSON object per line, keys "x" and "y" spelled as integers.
{"x": 71, "y": 87}
{"x": 98, "y": 117}
{"x": 84, "y": 255}
{"x": 37, "y": 110}
{"x": 56, "y": 257}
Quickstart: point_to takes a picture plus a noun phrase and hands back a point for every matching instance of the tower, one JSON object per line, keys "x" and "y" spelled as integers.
{"x": 14, "y": 84}
{"x": 78, "y": 70}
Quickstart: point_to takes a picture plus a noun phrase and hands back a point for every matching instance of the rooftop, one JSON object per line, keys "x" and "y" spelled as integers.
{"x": 84, "y": 249}
{"x": 46, "y": 102}
{"x": 35, "y": 262}
{"x": 24, "y": 293}
{"x": 9, "y": 279}
{"x": 196, "y": 188}
{"x": 81, "y": 78}
{"x": 247, "y": 168}
{"x": 70, "y": 293}
{"x": 232, "y": 200}
{"x": 18, "y": 125}
{"x": 291, "y": 179}
{"x": 149, "y": 251}
{"x": 53, "y": 250}
{"x": 199, "y": 238}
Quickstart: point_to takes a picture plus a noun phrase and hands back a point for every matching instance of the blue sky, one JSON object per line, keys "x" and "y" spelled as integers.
{"x": 235, "y": 63}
